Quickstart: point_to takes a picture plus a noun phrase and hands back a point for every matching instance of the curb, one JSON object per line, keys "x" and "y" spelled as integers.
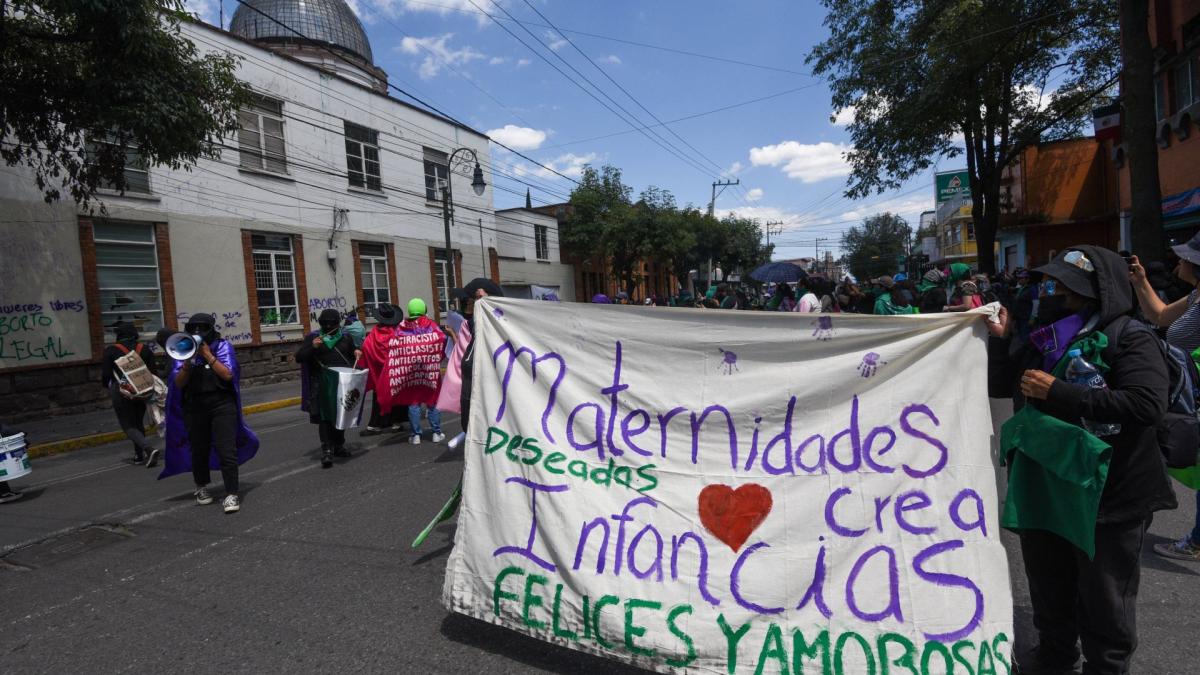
{"x": 92, "y": 440}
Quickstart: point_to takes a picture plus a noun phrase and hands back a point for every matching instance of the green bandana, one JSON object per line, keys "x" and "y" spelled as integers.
{"x": 331, "y": 339}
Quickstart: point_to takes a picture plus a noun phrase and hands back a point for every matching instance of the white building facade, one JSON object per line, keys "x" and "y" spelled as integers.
{"x": 327, "y": 197}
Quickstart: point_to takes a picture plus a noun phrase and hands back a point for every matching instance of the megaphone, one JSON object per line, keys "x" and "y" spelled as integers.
{"x": 181, "y": 346}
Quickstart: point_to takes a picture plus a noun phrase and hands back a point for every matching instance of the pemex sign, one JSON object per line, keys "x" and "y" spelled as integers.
{"x": 952, "y": 185}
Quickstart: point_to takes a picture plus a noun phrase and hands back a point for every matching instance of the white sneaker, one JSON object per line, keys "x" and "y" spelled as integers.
{"x": 232, "y": 504}
{"x": 202, "y": 496}
{"x": 438, "y": 437}
{"x": 415, "y": 439}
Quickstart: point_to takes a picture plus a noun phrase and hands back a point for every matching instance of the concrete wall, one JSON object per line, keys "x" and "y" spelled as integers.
{"x": 519, "y": 265}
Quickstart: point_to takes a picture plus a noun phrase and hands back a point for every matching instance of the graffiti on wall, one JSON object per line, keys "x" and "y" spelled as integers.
{"x": 32, "y": 333}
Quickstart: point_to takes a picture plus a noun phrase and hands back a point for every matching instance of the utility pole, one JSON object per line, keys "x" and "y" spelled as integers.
{"x": 712, "y": 205}
{"x": 817, "y": 250}
{"x": 771, "y": 225}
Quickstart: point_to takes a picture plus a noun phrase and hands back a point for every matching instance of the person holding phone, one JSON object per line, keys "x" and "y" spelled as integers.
{"x": 1182, "y": 319}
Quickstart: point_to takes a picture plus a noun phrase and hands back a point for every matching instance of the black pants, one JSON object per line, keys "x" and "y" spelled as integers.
{"x": 214, "y": 427}
{"x": 331, "y": 435}
{"x": 379, "y": 420}
{"x": 130, "y": 415}
{"x": 1092, "y": 601}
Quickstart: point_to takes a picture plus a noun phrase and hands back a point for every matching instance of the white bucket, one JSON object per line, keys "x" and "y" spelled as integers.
{"x": 14, "y": 458}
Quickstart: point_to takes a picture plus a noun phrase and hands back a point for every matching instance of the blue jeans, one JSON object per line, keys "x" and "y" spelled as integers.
{"x": 1196, "y": 530}
{"x": 414, "y": 417}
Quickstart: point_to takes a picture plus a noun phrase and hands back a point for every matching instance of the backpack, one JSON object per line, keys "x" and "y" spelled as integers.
{"x": 1179, "y": 430}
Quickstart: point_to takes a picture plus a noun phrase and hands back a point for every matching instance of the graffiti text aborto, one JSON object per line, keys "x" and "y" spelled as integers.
{"x": 803, "y": 506}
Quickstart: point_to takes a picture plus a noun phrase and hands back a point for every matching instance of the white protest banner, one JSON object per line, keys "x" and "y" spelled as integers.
{"x": 734, "y": 492}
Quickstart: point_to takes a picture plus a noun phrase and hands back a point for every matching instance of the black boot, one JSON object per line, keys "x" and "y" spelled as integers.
{"x": 326, "y": 456}
{"x": 341, "y": 451}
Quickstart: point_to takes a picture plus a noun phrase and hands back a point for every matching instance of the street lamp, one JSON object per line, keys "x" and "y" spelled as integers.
{"x": 478, "y": 185}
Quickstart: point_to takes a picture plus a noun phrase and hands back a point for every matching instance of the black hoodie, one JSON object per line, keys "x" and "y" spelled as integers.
{"x": 1136, "y": 397}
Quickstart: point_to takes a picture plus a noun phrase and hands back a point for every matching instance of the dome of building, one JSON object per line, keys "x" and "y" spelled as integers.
{"x": 323, "y": 22}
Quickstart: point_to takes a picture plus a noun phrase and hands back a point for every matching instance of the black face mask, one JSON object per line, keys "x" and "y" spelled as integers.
{"x": 1053, "y": 308}
{"x": 328, "y": 328}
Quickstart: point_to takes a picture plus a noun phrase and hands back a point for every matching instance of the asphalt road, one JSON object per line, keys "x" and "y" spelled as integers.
{"x": 105, "y": 569}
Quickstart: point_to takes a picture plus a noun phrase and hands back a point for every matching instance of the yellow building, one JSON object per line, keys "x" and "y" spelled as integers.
{"x": 956, "y": 232}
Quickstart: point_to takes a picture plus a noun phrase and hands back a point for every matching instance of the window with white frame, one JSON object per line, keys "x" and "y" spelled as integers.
{"x": 541, "y": 241}
{"x": 437, "y": 169}
{"x": 136, "y": 170}
{"x": 440, "y": 274}
{"x": 362, "y": 157}
{"x": 373, "y": 261}
{"x": 260, "y": 136}
{"x": 1187, "y": 81}
{"x": 275, "y": 279}
{"x": 127, "y": 275}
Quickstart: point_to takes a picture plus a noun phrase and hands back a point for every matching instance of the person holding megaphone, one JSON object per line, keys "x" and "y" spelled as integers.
{"x": 205, "y": 429}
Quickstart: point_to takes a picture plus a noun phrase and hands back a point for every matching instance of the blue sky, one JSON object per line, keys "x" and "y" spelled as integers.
{"x": 785, "y": 150}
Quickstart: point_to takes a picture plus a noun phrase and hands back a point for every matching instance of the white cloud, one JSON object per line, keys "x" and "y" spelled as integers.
{"x": 807, "y": 162}
{"x": 439, "y": 7}
{"x": 205, "y": 10}
{"x": 611, "y": 59}
{"x": 523, "y": 62}
{"x": 569, "y": 164}
{"x": 843, "y": 117}
{"x": 754, "y": 194}
{"x": 555, "y": 40}
{"x": 437, "y": 54}
{"x": 497, "y": 60}
{"x": 518, "y": 138}
{"x": 734, "y": 169}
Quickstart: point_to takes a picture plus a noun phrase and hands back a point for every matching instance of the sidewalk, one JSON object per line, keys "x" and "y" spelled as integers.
{"x": 64, "y": 433}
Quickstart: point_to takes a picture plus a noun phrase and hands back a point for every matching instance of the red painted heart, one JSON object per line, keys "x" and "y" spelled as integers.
{"x": 733, "y": 515}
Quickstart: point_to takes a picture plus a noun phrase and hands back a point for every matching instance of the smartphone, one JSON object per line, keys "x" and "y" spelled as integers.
{"x": 1128, "y": 259}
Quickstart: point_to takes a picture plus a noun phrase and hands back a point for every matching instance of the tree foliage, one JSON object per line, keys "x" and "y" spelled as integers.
{"x": 983, "y": 79}
{"x": 73, "y": 71}
{"x": 605, "y": 221}
{"x": 874, "y": 247}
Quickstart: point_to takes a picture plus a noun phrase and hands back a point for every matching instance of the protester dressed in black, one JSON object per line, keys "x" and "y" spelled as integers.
{"x": 331, "y": 348}
{"x": 1076, "y": 598}
{"x": 130, "y": 410}
{"x": 210, "y": 412}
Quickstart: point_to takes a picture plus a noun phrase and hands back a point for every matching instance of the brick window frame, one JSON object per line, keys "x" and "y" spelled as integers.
{"x": 391, "y": 274}
{"x": 91, "y": 280}
{"x": 252, "y": 285}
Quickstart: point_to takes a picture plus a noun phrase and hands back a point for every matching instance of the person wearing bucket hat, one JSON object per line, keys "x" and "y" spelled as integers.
{"x": 1182, "y": 320}
{"x": 387, "y": 317}
{"x": 329, "y": 347}
{"x": 418, "y": 319}
{"x": 1082, "y": 536}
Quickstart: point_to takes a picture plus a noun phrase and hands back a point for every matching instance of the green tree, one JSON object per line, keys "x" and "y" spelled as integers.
{"x": 73, "y": 71}
{"x": 874, "y": 247}
{"x": 929, "y": 79}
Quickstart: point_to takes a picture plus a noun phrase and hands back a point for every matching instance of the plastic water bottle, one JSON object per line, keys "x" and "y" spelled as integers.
{"x": 1079, "y": 371}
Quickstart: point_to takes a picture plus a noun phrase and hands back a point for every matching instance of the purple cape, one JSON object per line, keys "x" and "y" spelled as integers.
{"x": 177, "y": 458}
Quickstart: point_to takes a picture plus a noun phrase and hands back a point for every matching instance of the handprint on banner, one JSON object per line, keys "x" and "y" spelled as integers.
{"x": 870, "y": 364}
{"x": 823, "y": 330}
{"x": 729, "y": 363}
{"x": 497, "y": 312}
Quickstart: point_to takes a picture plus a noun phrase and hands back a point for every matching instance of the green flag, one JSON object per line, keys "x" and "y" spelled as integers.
{"x": 1057, "y": 476}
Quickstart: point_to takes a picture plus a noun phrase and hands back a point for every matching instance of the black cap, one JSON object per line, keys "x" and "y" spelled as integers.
{"x": 388, "y": 314}
{"x": 125, "y": 331}
{"x": 330, "y": 316}
{"x": 1190, "y": 250}
{"x": 1075, "y": 271}
{"x": 199, "y": 319}
{"x": 468, "y": 291}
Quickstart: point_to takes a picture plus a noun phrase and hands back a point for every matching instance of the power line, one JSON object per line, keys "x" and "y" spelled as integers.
{"x": 428, "y": 105}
